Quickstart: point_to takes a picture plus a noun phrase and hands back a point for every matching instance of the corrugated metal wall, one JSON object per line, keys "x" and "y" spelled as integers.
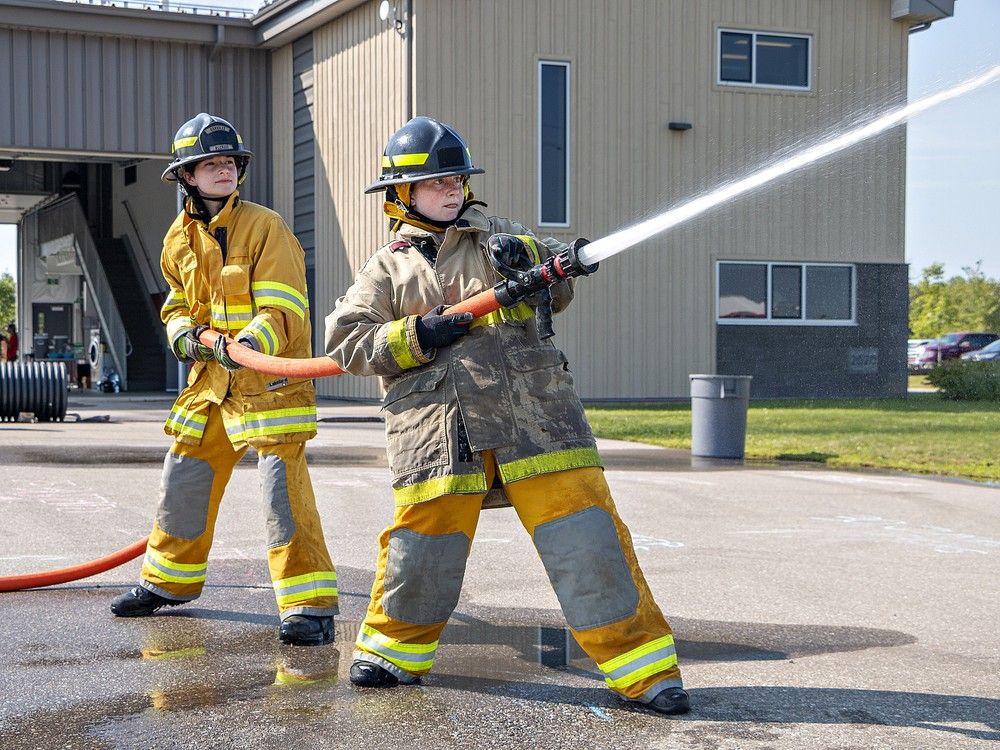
{"x": 635, "y": 66}
{"x": 281, "y": 134}
{"x": 359, "y": 103}
{"x": 108, "y": 96}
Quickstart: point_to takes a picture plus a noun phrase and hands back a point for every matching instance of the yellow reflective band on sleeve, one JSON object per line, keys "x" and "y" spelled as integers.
{"x": 273, "y": 422}
{"x": 305, "y": 587}
{"x": 184, "y": 142}
{"x": 276, "y": 294}
{"x": 575, "y": 458}
{"x": 399, "y": 344}
{"x": 177, "y": 326}
{"x": 651, "y": 658}
{"x": 264, "y": 334}
{"x": 175, "y": 299}
{"x": 453, "y": 484}
{"x": 411, "y": 657}
{"x": 175, "y": 572}
{"x": 410, "y": 160}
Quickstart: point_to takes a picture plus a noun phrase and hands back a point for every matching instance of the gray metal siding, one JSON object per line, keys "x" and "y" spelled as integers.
{"x": 119, "y": 96}
{"x": 828, "y": 361}
{"x": 303, "y": 146}
{"x": 304, "y": 168}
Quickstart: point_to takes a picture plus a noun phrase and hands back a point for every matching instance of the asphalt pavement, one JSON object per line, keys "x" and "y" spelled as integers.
{"x": 812, "y": 608}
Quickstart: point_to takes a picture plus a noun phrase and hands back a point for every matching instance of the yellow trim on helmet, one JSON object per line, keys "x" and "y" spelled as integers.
{"x": 184, "y": 142}
{"x": 410, "y": 160}
{"x": 386, "y": 162}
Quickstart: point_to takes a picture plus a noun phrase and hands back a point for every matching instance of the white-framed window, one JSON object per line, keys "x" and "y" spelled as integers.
{"x": 553, "y": 143}
{"x": 782, "y": 293}
{"x": 763, "y": 59}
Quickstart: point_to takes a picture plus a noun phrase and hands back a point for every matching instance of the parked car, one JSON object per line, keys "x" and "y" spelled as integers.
{"x": 988, "y": 353}
{"x": 912, "y": 345}
{"x": 949, "y": 346}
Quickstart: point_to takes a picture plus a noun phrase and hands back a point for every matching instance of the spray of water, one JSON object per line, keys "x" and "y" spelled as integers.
{"x": 626, "y": 238}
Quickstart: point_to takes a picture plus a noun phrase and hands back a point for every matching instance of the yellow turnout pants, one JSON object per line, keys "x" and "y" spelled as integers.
{"x": 586, "y": 551}
{"x": 194, "y": 480}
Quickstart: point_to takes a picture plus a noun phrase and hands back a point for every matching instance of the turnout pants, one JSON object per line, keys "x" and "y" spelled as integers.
{"x": 194, "y": 480}
{"x": 586, "y": 551}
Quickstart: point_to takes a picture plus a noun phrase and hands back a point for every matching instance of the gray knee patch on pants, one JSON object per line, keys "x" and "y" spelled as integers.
{"x": 277, "y": 507}
{"x": 185, "y": 492}
{"x": 423, "y": 576}
{"x": 585, "y": 563}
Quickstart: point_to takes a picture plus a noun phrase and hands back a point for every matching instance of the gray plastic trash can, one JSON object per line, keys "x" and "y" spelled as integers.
{"x": 719, "y": 415}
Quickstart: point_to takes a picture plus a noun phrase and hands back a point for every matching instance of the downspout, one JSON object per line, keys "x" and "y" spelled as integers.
{"x": 220, "y": 35}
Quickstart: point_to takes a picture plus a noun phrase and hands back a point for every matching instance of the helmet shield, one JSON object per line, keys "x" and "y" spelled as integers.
{"x": 421, "y": 150}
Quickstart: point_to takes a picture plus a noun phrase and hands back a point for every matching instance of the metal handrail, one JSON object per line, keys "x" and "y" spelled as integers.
{"x": 65, "y": 216}
{"x": 147, "y": 264}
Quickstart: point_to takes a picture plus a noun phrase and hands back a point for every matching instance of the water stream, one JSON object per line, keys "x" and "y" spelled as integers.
{"x": 625, "y": 238}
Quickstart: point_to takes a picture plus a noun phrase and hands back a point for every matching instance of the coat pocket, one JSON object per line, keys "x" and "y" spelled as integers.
{"x": 544, "y": 396}
{"x": 415, "y": 423}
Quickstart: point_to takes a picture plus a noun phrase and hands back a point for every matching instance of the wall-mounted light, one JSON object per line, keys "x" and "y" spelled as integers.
{"x": 387, "y": 12}
{"x": 679, "y": 125}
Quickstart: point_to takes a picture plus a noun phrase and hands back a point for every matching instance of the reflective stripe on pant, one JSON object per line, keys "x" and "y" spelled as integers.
{"x": 194, "y": 480}
{"x": 587, "y": 553}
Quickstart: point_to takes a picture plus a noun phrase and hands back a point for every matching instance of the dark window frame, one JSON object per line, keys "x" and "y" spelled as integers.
{"x": 769, "y": 301}
{"x": 542, "y": 62}
{"x": 753, "y": 83}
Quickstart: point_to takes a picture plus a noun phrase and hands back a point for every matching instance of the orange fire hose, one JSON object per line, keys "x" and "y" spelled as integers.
{"x": 316, "y": 367}
{"x": 322, "y": 367}
{"x": 75, "y": 572}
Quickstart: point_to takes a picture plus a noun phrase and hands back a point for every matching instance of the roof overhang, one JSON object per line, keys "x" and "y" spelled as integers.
{"x": 916, "y": 12}
{"x": 13, "y": 205}
{"x": 284, "y": 21}
{"x": 104, "y": 20}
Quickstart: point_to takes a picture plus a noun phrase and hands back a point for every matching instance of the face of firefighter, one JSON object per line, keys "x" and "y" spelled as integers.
{"x": 215, "y": 177}
{"x": 441, "y": 198}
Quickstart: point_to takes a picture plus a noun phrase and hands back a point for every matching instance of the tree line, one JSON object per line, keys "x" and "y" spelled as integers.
{"x": 970, "y": 302}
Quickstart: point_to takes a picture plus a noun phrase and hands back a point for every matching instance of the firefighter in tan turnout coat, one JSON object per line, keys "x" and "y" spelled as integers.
{"x": 235, "y": 267}
{"x": 478, "y": 408}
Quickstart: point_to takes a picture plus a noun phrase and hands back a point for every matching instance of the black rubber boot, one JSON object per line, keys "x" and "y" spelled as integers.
{"x": 366, "y": 674}
{"x": 306, "y": 630}
{"x": 139, "y": 602}
{"x": 671, "y": 701}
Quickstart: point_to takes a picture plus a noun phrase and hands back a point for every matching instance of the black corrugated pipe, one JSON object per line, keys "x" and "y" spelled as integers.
{"x": 36, "y": 387}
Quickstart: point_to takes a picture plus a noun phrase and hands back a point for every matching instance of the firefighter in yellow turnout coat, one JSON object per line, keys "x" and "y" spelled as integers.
{"x": 475, "y": 409}
{"x": 235, "y": 267}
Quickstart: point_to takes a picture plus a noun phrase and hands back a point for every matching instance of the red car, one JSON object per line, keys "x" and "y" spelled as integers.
{"x": 949, "y": 346}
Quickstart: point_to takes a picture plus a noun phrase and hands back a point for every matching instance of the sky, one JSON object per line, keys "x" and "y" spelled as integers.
{"x": 953, "y": 151}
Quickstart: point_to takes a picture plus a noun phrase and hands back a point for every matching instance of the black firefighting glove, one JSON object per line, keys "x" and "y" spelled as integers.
{"x": 222, "y": 356}
{"x": 435, "y": 330}
{"x": 192, "y": 348}
{"x": 510, "y": 252}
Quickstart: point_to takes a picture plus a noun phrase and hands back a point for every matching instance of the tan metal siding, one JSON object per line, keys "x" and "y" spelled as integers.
{"x": 359, "y": 103}
{"x": 648, "y": 318}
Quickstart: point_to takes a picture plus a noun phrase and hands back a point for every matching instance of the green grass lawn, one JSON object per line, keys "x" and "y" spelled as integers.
{"x": 918, "y": 382}
{"x": 920, "y": 433}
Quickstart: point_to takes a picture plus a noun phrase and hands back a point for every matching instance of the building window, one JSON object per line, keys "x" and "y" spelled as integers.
{"x": 553, "y": 143}
{"x": 785, "y": 293}
{"x": 751, "y": 58}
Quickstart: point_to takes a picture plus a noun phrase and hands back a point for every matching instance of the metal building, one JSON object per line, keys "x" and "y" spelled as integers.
{"x": 587, "y": 116}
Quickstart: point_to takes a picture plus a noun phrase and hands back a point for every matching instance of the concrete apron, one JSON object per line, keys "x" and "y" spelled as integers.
{"x": 811, "y": 608}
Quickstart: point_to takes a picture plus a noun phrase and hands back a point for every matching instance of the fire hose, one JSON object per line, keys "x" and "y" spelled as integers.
{"x": 521, "y": 281}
